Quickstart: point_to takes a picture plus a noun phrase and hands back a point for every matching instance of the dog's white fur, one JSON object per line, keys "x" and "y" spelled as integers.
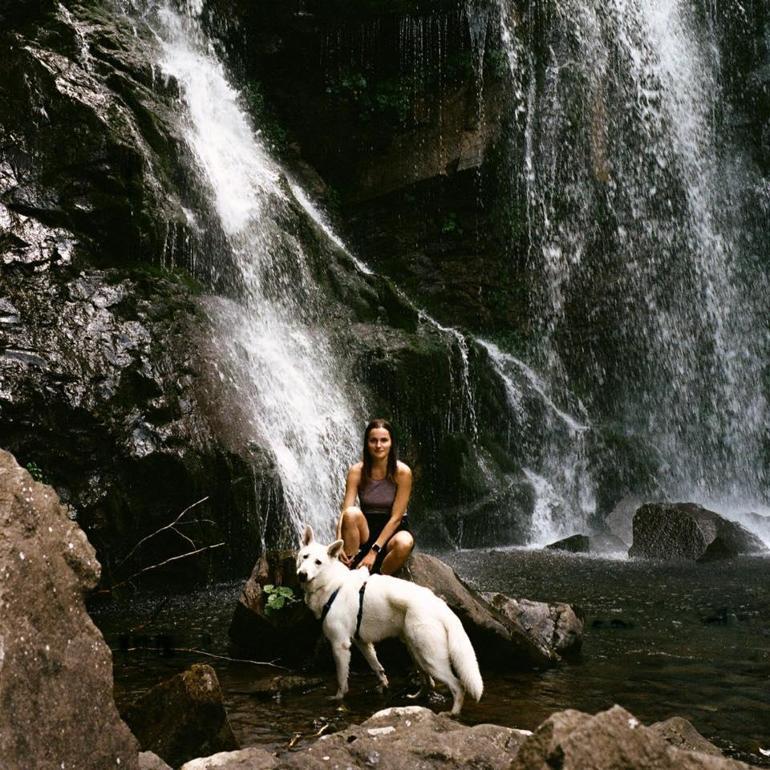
{"x": 432, "y": 633}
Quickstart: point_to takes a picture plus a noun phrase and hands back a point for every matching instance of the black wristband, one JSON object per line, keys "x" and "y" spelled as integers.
{"x": 376, "y": 548}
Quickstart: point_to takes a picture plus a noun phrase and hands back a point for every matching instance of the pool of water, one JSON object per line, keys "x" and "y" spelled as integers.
{"x": 661, "y": 639}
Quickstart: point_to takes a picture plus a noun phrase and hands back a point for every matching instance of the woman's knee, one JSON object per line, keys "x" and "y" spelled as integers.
{"x": 352, "y": 516}
{"x": 402, "y": 543}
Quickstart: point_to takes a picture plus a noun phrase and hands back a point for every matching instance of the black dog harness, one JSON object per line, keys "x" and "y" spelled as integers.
{"x": 330, "y": 601}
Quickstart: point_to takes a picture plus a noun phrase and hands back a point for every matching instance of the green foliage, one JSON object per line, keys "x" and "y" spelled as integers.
{"x": 278, "y": 598}
{"x": 36, "y": 472}
{"x": 451, "y": 225}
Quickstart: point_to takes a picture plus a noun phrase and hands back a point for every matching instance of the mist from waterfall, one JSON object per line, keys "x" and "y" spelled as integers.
{"x": 648, "y": 300}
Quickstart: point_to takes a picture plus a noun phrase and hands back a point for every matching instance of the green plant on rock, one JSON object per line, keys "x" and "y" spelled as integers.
{"x": 36, "y": 472}
{"x": 278, "y": 598}
{"x": 451, "y": 225}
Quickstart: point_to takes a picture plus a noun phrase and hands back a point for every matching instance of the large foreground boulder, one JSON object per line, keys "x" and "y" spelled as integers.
{"x": 688, "y": 531}
{"x": 183, "y": 717}
{"x": 611, "y": 740}
{"x": 505, "y": 633}
{"x": 412, "y": 736}
{"x": 56, "y": 706}
{"x": 392, "y": 739}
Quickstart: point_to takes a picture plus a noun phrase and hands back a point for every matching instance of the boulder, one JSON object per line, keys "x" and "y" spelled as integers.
{"x": 290, "y": 633}
{"x": 252, "y": 758}
{"x": 557, "y": 627}
{"x": 56, "y": 705}
{"x": 681, "y": 734}
{"x": 501, "y": 635}
{"x": 610, "y": 740}
{"x": 392, "y": 739}
{"x": 573, "y": 544}
{"x": 150, "y": 761}
{"x": 183, "y": 717}
{"x": 685, "y": 531}
{"x": 412, "y": 736}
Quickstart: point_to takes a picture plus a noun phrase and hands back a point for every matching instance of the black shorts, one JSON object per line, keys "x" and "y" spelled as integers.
{"x": 377, "y": 522}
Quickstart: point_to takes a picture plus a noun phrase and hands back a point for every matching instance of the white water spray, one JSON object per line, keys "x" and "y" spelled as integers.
{"x": 275, "y": 358}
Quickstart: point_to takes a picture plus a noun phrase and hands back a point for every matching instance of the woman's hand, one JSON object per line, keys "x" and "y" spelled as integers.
{"x": 368, "y": 560}
{"x": 345, "y": 559}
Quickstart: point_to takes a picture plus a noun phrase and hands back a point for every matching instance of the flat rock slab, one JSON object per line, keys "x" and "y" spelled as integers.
{"x": 56, "y": 705}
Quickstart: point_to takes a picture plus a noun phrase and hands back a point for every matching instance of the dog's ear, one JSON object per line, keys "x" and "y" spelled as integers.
{"x": 307, "y": 536}
{"x": 335, "y": 548}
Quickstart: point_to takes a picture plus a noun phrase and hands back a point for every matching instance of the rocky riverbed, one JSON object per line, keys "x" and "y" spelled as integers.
{"x": 55, "y": 660}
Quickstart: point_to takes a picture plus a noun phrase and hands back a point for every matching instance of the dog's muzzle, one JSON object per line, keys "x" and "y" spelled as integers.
{"x": 302, "y": 577}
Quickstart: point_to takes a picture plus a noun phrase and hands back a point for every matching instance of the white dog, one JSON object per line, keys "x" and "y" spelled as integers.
{"x": 355, "y": 607}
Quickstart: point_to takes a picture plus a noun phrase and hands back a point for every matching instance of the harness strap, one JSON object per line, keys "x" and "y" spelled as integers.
{"x": 360, "y": 608}
{"x": 328, "y": 605}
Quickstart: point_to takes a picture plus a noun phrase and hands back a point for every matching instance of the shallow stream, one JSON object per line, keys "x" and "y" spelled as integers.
{"x": 661, "y": 639}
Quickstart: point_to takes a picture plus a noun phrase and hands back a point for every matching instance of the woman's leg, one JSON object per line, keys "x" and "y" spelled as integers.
{"x": 397, "y": 551}
{"x": 354, "y": 530}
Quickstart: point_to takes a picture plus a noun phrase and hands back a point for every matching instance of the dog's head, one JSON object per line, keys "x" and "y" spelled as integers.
{"x": 313, "y": 557}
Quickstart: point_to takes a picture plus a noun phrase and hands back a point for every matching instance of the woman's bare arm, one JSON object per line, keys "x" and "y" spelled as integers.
{"x": 351, "y": 493}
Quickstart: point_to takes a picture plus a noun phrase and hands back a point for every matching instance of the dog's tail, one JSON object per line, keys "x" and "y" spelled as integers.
{"x": 463, "y": 656}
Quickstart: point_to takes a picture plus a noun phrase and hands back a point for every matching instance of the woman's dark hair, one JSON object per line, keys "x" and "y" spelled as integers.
{"x": 390, "y": 473}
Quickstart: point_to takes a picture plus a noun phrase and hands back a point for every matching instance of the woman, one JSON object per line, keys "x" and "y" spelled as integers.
{"x": 376, "y": 534}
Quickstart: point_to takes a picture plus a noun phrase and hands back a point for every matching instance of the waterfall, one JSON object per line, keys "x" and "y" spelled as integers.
{"x": 555, "y": 451}
{"x": 274, "y": 359}
{"x": 648, "y": 302}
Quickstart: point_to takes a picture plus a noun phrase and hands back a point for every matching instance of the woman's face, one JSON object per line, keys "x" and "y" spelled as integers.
{"x": 379, "y": 443}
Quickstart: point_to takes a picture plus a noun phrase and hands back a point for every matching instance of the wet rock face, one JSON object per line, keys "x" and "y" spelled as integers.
{"x": 688, "y": 531}
{"x": 101, "y": 394}
{"x": 56, "y": 707}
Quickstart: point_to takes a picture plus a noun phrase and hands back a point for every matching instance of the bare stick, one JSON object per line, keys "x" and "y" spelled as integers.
{"x": 163, "y": 563}
{"x": 163, "y": 529}
{"x": 210, "y": 655}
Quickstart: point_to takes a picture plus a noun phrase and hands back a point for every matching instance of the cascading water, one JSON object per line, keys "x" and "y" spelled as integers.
{"x": 274, "y": 358}
{"x": 648, "y": 303}
{"x": 555, "y": 451}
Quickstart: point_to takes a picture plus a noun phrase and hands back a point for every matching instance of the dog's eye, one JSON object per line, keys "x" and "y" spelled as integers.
{"x": 306, "y": 555}
{"x": 317, "y": 561}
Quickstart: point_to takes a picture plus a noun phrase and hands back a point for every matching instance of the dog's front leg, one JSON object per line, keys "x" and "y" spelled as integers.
{"x": 368, "y": 651}
{"x": 341, "y": 651}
